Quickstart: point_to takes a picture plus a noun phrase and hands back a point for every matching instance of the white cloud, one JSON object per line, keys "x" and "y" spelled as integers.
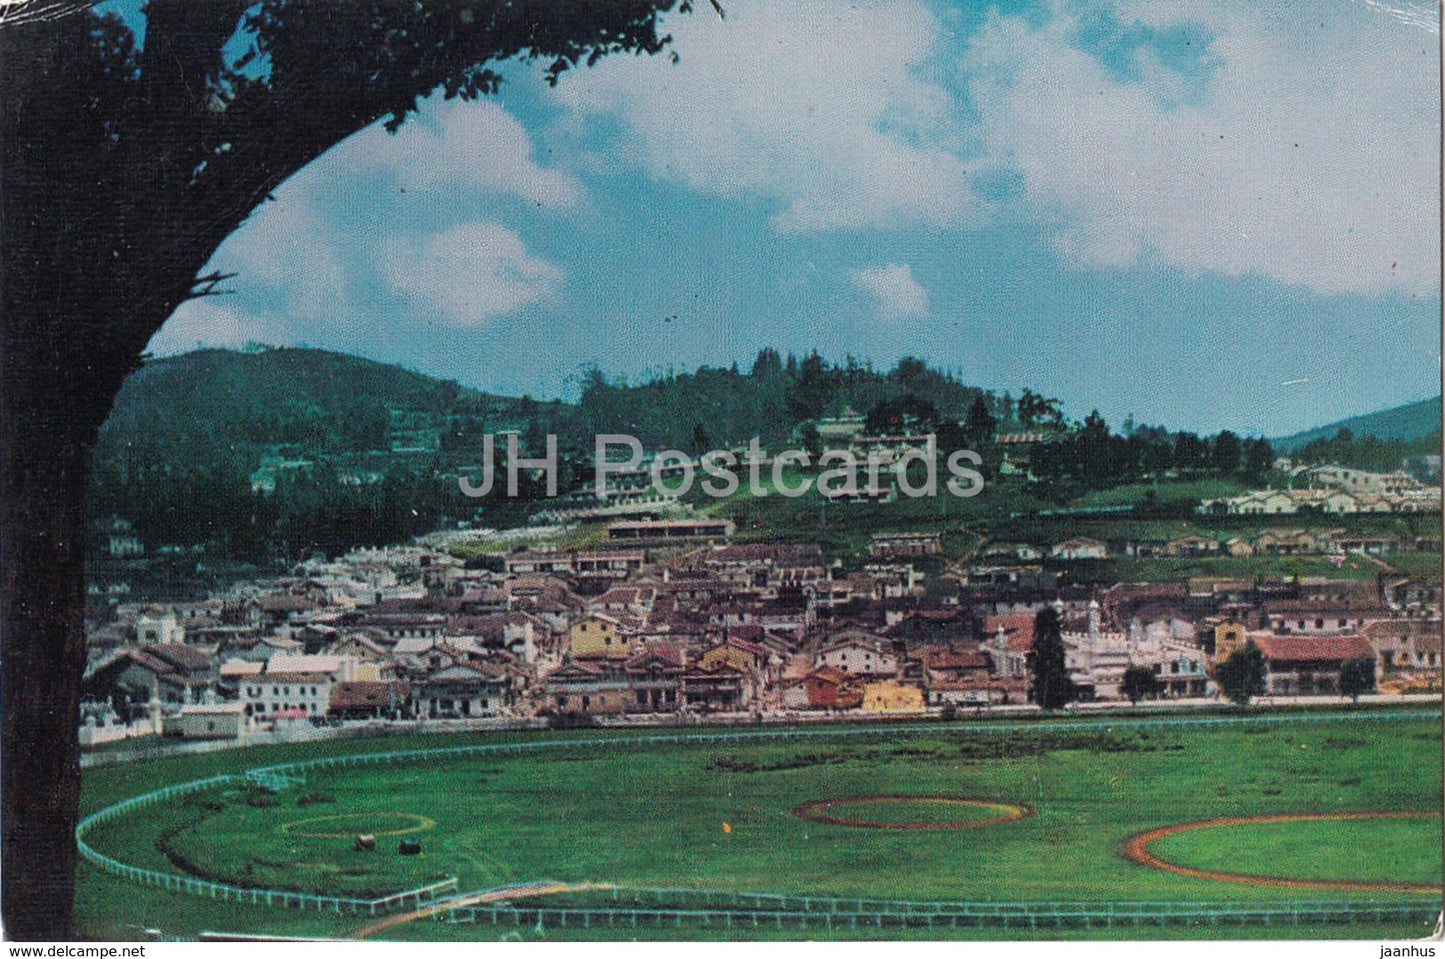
{"x": 214, "y": 322}
{"x": 471, "y": 273}
{"x": 1312, "y": 156}
{"x": 894, "y": 289}
{"x": 817, "y": 106}
{"x": 290, "y": 272}
{"x": 309, "y": 261}
{"x": 457, "y": 147}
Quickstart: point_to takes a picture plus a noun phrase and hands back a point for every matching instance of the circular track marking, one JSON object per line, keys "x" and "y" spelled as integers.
{"x": 1136, "y": 850}
{"x": 819, "y": 810}
{"x": 418, "y": 824}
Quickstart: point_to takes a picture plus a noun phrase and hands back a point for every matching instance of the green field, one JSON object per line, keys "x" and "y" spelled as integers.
{"x": 1359, "y": 850}
{"x": 719, "y": 815}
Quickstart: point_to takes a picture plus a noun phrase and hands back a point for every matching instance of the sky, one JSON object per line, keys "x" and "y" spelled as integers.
{"x": 1206, "y": 213}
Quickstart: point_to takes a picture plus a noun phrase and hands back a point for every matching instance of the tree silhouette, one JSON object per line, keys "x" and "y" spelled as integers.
{"x": 125, "y": 164}
{"x": 1357, "y": 675}
{"x": 1241, "y": 675}
{"x": 1051, "y": 687}
{"x": 1139, "y": 683}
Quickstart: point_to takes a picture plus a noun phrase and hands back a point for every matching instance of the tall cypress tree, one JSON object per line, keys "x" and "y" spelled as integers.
{"x": 1051, "y": 687}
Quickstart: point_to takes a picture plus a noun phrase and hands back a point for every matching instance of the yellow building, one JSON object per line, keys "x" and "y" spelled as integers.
{"x": 889, "y": 695}
{"x": 1228, "y": 637}
{"x": 601, "y": 637}
{"x": 740, "y": 654}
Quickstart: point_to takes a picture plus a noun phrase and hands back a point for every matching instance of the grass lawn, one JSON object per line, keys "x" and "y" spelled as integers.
{"x": 1359, "y": 850}
{"x": 1423, "y": 563}
{"x": 719, "y": 815}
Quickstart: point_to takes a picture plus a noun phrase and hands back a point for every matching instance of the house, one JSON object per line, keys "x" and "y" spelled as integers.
{"x": 890, "y": 695}
{"x": 233, "y": 672}
{"x": 285, "y": 692}
{"x": 1261, "y": 502}
{"x": 159, "y": 630}
{"x": 371, "y": 658}
{"x": 609, "y": 563}
{"x": 604, "y": 636}
{"x": 129, "y": 679}
{"x": 957, "y": 673}
{"x": 208, "y": 721}
{"x": 700, "y": 528}
{"x": 587, "y": 687}
{"x": 887, "y": 545}
{"x": 396, "y": 626}
{"x": 738, "y": 653}
{"x": 1008, "y": 641}
{"x": 462, "y": 692}
{"x": 1229, "y": 636}
{"x": 1369, "y": 545}
{"x": 1192, "y": 546}
{"x": 655, "y": 679}
{"x": 859, "y": 654}
{"x": 1318, "y": 617}
{"x": 417, "y": 657}
{"x": 280, "y": 609}
{"x": 368, "y": 699}
{"x": 1235, "y": 546}
{"x": 1412, "y": 593}
{"x": 1079, "y": 547}
{"x": 1285, "y": 542}
{"x": 721, "y": 688}
{"x": 831, "y": 688}
{"x": 1309, "y": 665}
{"x": 1330, "y": 501}
{"x": 536, "y": 561}
{"x": 1405, "y": 646}
{"x": 336, "y": 667}
{"x": 618, "y": 600}
{"x": 763, "y": 565}
{"x": 1362, "y": 481}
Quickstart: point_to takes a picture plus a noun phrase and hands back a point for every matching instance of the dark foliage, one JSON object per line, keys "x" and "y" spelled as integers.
{"x": 1241, "y": 675}
{"x": 125, "y": 164}
{"x": 1050, "y": 686}
{"x": 1139, "y": 683}
{"x": 1357, "y": 676}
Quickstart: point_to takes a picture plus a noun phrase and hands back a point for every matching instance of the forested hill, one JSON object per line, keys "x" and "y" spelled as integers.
{"x": 1412, "y": 421}
{"x": 222, "y": 408}
{"x": 228, "y": 410}
{"x": 775, "y": 397}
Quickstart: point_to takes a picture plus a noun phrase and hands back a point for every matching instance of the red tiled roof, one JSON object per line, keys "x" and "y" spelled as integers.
{"x": 1296, "y": 648}
{"x": 1019, "y": 628}
{"x": 829, "y": 674}
{"x": 365, "y": 695}
{"x": 943, "y": 658}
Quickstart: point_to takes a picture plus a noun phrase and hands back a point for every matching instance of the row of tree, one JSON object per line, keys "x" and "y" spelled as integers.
{"x": 1370, "y": 452}
{"x": 310, "y": 511}
{"x": 1094, "y": 457}
{"x": 773, "y": 400}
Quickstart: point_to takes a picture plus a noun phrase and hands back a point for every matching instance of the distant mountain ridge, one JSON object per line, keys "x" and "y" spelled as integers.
{"x": 1408, "y": 422}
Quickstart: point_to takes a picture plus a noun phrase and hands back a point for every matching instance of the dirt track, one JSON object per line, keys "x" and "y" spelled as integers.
{"x": 813, "y": 811}
{"x": 1136, "y": 849}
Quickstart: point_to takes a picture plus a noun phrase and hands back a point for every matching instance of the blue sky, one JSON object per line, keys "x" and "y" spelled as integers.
{"x": 1210, "y": 214}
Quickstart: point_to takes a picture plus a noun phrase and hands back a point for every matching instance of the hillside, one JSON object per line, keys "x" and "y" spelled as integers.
{"x": 1409, "y": 422}
{"x": 221, "y": 408}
